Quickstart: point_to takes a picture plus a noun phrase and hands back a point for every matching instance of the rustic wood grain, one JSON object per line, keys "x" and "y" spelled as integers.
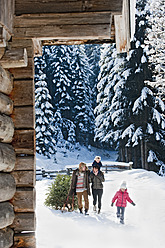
{"x": 7, "y": 158}
{"x": 6, "y": 104}
{"x": 24, "y": 222}
{"x": 7, "y": 186}
{"x": 24, "y": 200}
{"x": 24, "y": 178}
{"x": 58, "y": 6}
{"x": 6, "y": 81}
{"x": 24, "y": 72}
{"x": 24, "y": 141}
{"x": 25, "y": 163}
{"x": 6, "y": 129}
{"x": 23, "y": 93}
{"x": 26, "y": 240}
{"x": 6, "y": 237}
{"x": 6, "y": 215}
{"x": 24, "y": 117}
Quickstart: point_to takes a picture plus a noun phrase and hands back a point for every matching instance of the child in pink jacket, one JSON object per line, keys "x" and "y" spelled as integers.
{"x": 122, "y": 197}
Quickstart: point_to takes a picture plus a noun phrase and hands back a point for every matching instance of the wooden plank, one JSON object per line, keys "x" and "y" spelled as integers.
{"x": 122, "y": 29}
{"x": 24, "y": 178}
{"x": 25, "y": 163}
{"x": 58, "y": 6}
{"x": 24, "y": 117}
{"x": 24, "y": 141}
{"x": 6, "y": 237}
{"x": 6, "y": 14}
{"x": 7, "y": 186}
{"x": 6, "y": 104}
{"x": 22, "y": 43}
{"x": 37, "y": 47}
{"x": 24, "y": 240}
{"x": 14, "y": 58}
{"x": 7, "y": 158}
{"x": 24, "y": 200}
{"x": 6, "y": 81}
{"x": 69, "y": 25}
{"x": 6, "y": 129}
{"x": 24, "y": 72}
{"x": 6, "y": 215}
{"x": 24, "y": 222}
{"x": 23, "y": 93}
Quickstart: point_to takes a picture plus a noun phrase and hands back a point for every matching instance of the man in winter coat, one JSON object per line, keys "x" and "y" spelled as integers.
{"x": 122, "y": 197}
{"x": 96, "y": 178}
{"x": 80, "y": 186}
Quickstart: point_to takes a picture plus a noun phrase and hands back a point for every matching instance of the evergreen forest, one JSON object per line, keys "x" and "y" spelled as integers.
{"x": 90, "y": 95}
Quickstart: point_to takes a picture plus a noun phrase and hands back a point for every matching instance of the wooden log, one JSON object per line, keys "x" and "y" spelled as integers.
{"x": 24, "y": 142}
{"x": 26, "y": 240}
{"x": 24, "y": 200}
{"x": 6, "y": 237}
{"x": 7, "y": 158}
{"x": 22, "y": 43}
{"x": 24, "y": 178}
{"x": 14, "y": 58}
{"x": 6, "y": 129}
{"x": 24, "y": 117}
{"x": 6, "y": 81}
{"x": 6, "y": 14}
{"x": 24, "y": 222}
{"x": 57, "y": 6}
{"x": 66, "y": 25}
{"x": 6, "y": 214}
{"x": 6, "y": 104}
{"x": 7, "y": 186}
{"x": 25, "y": 163}
{"x": 2, "y": 51}
{"x": 23, "y": 93}
{"x": 24, "y": 72}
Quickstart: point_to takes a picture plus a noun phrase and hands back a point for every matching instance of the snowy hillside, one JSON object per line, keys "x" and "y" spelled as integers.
{"x": 144, "y": 224}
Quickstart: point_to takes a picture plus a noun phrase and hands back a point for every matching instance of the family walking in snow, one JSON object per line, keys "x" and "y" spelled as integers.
{"x": 80, "y": 185}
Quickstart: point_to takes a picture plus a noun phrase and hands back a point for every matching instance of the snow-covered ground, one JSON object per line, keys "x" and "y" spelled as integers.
{"x": 144, "y": 224}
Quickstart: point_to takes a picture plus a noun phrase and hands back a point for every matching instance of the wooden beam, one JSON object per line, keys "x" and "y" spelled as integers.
{"x": 7, "y": 186}
{"x": 122, "y": 29}
{"x": 6, "y": 215}
{"x": 6, "y": 14}
{"x": 6, "y": 104}
{"x": 6, "y": 237}
{"x": 7, "y": 158}
{"x": 24, "y": 142}
{"x": 57, "y": 6}
{"x": 14, "y": 58}
{"x": 24, "y": 72}
{"x": 25, "y": 163}
{"x": 24, "y": 117}
{"x": 6, "y": 81}
{"x": 6, "y": 129}
{"x": 24, "y": 178}
{"x": 37, "y": 47}
{"x": 84, "y": 25}
{"x": 24, "y": 222}
{"x": 23, "y": 93}
{"x": 26, "y": 240}
{"x": 24, "y": 200}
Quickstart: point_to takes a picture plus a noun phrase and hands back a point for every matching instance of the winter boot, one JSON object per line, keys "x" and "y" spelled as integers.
{"x": 122, "y": 221}
{"x": 80, "y": 210}
{"x": 99, "y": 211}
{"x": 94, "y": 208}
{"x": 86, "y": 212}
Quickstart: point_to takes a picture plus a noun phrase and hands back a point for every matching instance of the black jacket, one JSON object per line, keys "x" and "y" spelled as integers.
{"x": 74, "y": 182}
{"x": 97, "y": 180}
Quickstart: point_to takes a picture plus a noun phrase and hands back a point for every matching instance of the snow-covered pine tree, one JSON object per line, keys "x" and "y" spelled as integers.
{"x": 156, "y": 44}
{"x": 82, "y": 110}
{"x": 105, "y": 92}
{"x": 45, "y": 143}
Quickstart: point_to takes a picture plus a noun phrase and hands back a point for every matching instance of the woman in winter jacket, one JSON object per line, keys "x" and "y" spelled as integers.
{"x": 80, "y": 186}
{"x": 122, "y": 197}
{"x": 97, "y": 162}
{"x": 97, "y": 178}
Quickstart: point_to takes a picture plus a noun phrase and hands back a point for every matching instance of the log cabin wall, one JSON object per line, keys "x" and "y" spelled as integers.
{"x": 24, "y": 26}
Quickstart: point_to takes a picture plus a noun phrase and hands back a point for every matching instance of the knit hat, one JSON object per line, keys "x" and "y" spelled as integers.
{"x": 97, "y": 157}
{"x": 123, "y": 185}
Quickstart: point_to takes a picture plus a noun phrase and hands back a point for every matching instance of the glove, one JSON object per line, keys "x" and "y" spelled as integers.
{"x": 112, "y": 204}
{"x": 133, "y": 203}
